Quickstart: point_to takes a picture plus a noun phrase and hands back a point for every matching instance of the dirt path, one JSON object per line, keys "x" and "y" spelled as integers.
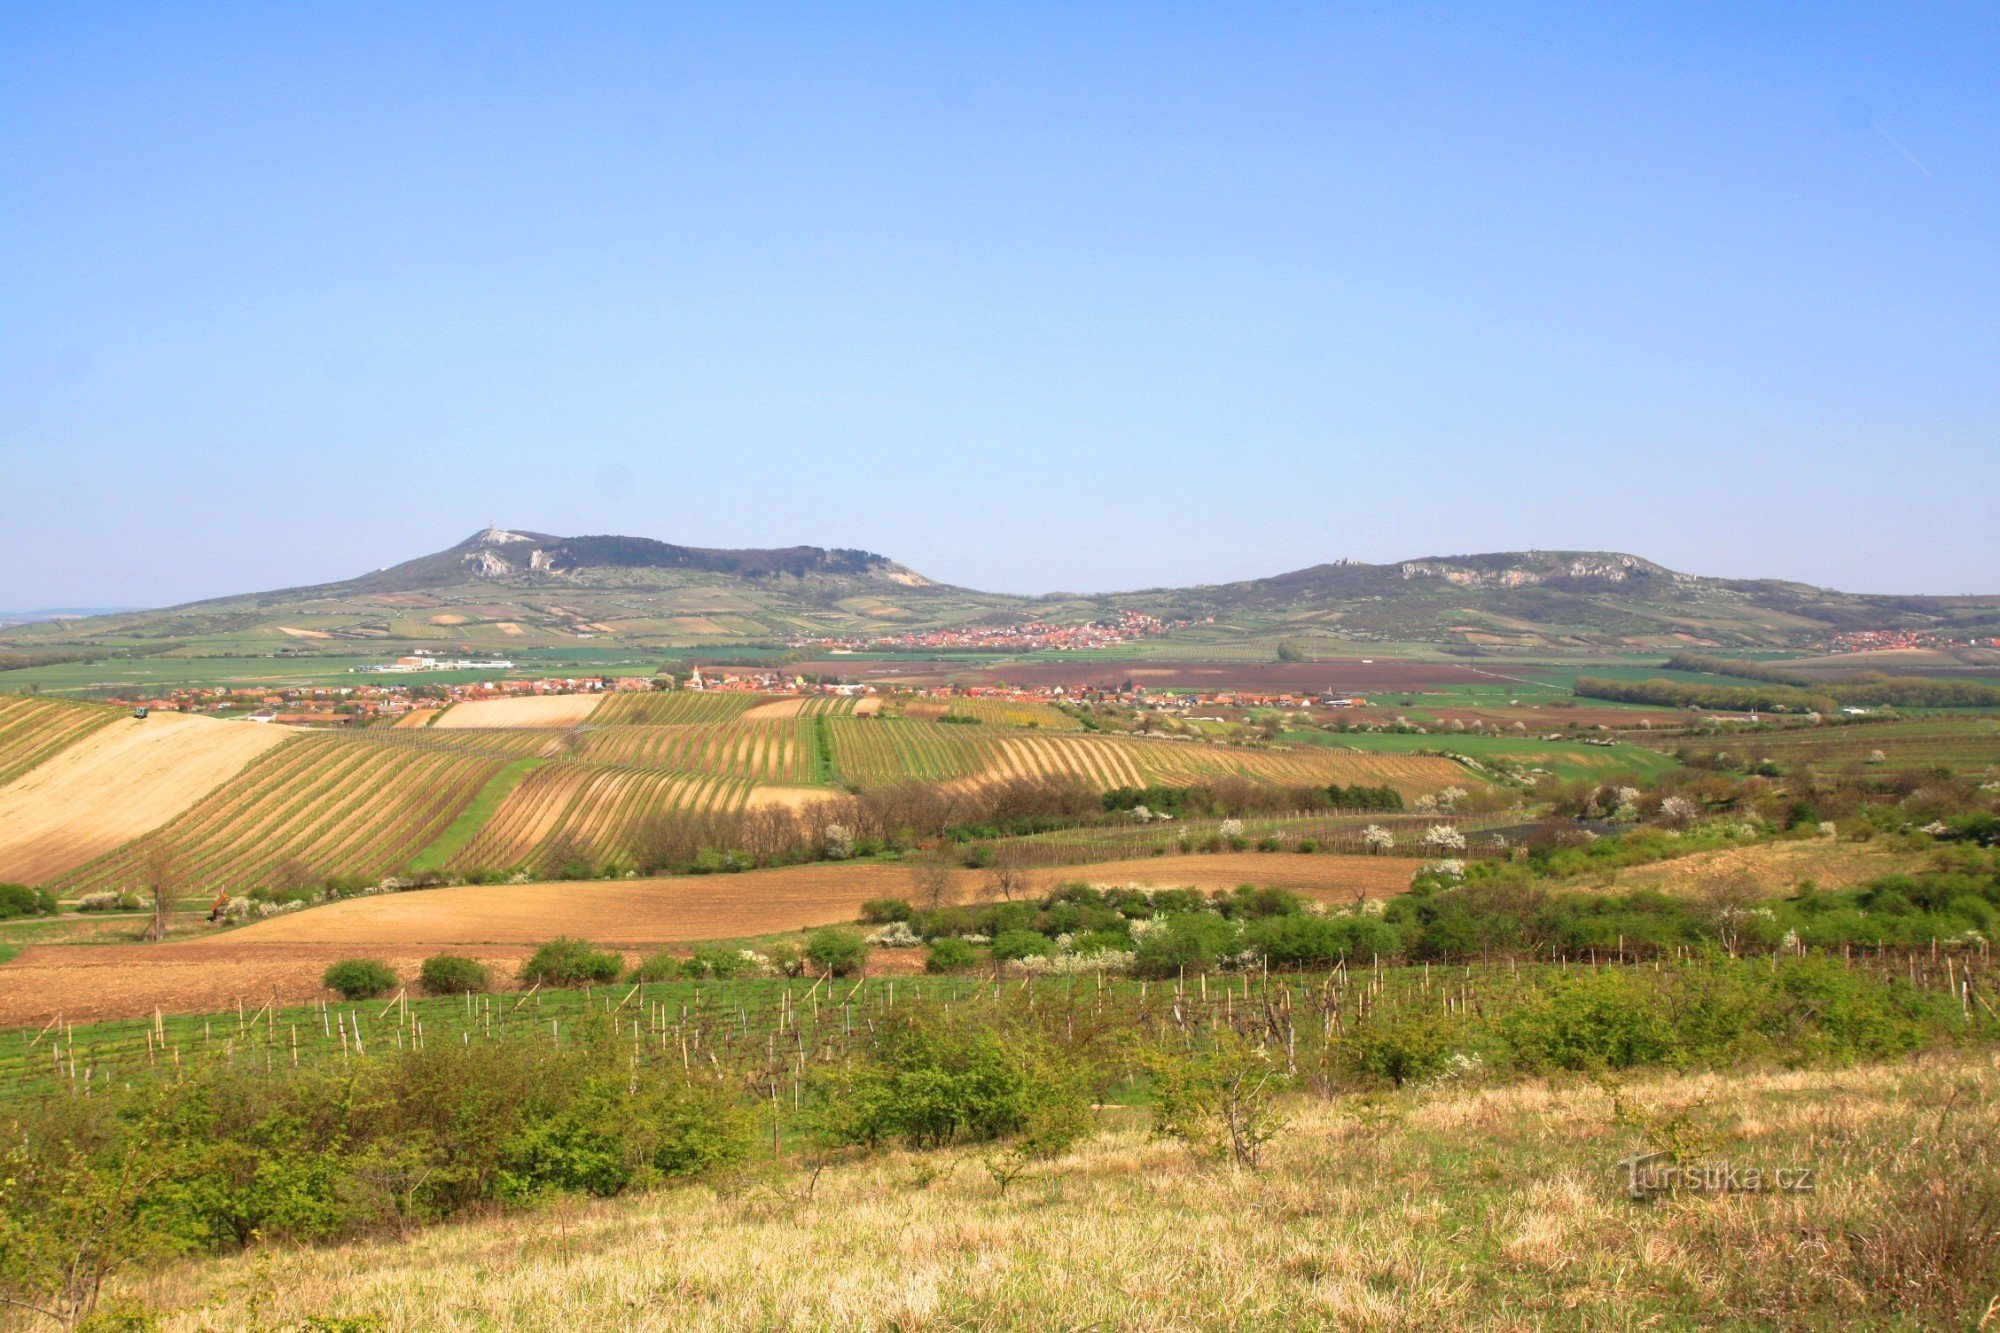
{"x": 503, "y": 922}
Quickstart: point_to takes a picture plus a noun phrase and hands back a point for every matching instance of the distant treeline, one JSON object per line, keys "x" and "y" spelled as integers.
{"x": 1788, "y": 690}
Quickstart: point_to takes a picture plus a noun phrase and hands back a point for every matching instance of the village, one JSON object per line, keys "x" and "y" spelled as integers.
{"x": 1026, "y": 636}
{"x": 363, "y": 704}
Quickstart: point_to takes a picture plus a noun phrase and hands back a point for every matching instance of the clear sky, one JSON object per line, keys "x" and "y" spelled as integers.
{"x": 1030, "y": 297}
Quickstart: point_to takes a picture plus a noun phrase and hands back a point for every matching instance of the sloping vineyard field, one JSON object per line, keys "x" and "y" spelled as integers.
{"x": 1010, "y": 713}
{"x": 32, "y": 729}
{"x": 782, "y": 751}
{"x": 661, "y": 707}
{"x": 886, "y": 752}
{"x": 595, "y": 808}
{"x": 332, "y": 805}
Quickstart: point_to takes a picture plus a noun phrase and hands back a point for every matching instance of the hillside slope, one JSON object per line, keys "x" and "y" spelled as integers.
{"x": 502, "y": 589}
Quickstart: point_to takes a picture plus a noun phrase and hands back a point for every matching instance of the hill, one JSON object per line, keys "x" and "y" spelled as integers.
{"x": 501, "y": 589}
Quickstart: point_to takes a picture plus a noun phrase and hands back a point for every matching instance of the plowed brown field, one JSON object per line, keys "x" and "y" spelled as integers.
{"x": 124, "y": 780}
{"x": 503, "y": 921}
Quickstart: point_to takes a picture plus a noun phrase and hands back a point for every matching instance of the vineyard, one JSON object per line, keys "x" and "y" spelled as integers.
{"x": 32, "y": 729}
{"x": 327, "y": 806}
{"x": 1963, "y": 745}
{"x": 664, "y": 707}
{"x": 586, "y": 810}
{"x": 1010, "y": 713}
{"x": 762, "y": 751}
{"x": 885, "y": 752}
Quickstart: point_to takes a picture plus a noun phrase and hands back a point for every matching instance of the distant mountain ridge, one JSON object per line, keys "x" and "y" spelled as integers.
{"x": 507, "y": 587}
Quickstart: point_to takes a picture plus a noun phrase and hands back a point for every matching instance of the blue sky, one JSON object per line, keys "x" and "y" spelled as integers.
{"x": 1029, "y": 297}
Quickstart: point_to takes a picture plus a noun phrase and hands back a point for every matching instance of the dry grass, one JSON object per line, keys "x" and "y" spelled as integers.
{"x": 1773, "y": 869}
{"x": 1493, "y": 1208}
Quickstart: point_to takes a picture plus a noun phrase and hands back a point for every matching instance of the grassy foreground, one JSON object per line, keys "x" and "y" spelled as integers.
{"x": 1496, "y": 1207}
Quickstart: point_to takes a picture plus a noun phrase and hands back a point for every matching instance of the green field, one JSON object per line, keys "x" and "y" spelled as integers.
{"x": 1569, "y": 760}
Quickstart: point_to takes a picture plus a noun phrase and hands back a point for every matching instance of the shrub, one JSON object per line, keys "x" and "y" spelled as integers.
{"x": 881, "y": 911}
{"x": 718, "y": 963}
{"x": 950, "y": 955}
{"x": 1187, "y": 941}
{"x": 1013, "y": 944}
{"x": 359, "y": 978}
{"x": 452, "y": 974}
{"x": 20, "y": 900}
{"x": 657, "y": 967}
{"x": 567, "y": 962}
{"x": 931, "y": 1078}
{"x": 838, "y": 951}
{"x": 1402, "y": 1048}
{"x": 1592, "y": 1020}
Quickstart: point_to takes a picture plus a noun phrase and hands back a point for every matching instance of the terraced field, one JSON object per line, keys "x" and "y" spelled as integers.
{"x": 32, "y": 729}
{"x": 663, "y": 707}
{"x": 591, "y": 808}
{"x": 1969, "y": 744}
{"x": 333, "y": 805}
{"x": 763, "y": 751}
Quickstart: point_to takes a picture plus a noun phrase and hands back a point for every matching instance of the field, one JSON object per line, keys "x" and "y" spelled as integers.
{"x": 661, "y": 707}
{"x": 120, "y": 778}
{"x": 546, "y": 710}
{"x": 1964, "y": 744}
{"x": 286, "y": 954}
{"x": 33, "y": 729}
{"x": 587, "y": 810}
{"x": 327, "y": 805}
{"x": 1565, "y": 759}
{"x": 885, "y": 751}
{"x": 782, "y": 751}
{"x": 1472, "y": 1208}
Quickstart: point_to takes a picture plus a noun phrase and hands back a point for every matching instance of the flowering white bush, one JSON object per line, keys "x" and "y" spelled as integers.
{"x": 1877, "y": 757}
{"x": 896, "y": 935}
{"x": 1443, "y": 838}
{"x": 1378, "y": 839}
{"x": 1231, "y": 828}
{"x": 1142, "y": 927}
{"x": 1828, "y": 829}
{"x": 1679, "y": 810}
{"x": 1448, "y": 799}
{"x": 1141, "y": 815}
{"x": 110, "y": 900}
{"x": 1627, "y": 808}
{"x": 1073, "y": 964}
{"x": 1426, "y": 803}
{"x": 1449, "y": 868}
{"x": 838, "y": 840}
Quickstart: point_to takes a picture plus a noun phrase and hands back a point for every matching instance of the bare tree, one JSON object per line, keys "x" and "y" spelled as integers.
{"x": 1008, "y": 882}
{"x": 166, "y": 886}
{"x": 932, "y": 884}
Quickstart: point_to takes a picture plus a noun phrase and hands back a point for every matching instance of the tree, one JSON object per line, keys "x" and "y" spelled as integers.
{"x": 165, "y": 886}
{"x": 932, "y": 884}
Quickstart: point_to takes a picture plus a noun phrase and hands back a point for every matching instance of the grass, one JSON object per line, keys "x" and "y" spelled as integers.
{"x": 1565, "y": 759}
{"x": 1475, "y": 1207}
{"x": 473, "y": 818}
